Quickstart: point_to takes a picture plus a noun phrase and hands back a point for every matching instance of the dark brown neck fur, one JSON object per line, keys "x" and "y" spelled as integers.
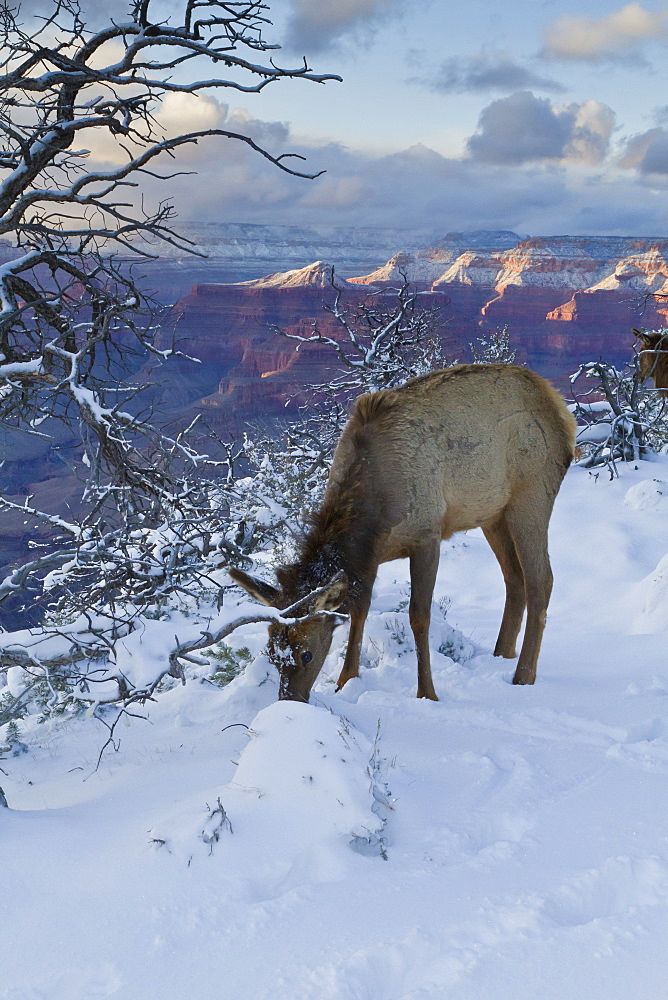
{"x": 343, "y": 535}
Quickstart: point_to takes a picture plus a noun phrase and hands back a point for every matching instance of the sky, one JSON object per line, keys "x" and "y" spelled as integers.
{"x": 543, "y": 118}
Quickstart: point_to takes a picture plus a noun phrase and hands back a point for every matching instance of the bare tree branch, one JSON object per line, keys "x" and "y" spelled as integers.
{"x": 379, "y": 345}
{"x": 153, "y": 526}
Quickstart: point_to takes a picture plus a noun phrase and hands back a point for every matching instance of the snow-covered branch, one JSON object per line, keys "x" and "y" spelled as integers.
{"x": 378, "y": 345}
{"x": 52, "y": 94}
{"x": 621, "y": 419}
{"x": 151, "y": 526}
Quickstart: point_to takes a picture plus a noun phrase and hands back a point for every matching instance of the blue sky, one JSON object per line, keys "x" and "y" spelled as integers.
{"x": 423, "y": 71}
{"x": 544, "y": 118}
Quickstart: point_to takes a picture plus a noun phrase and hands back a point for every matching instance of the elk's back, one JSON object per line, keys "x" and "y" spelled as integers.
{"x": 451, "y": 448}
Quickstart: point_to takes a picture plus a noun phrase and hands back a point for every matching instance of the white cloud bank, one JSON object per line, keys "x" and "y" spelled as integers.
{"x": 532, "y": 166}
{"x": 419, "y": 188}
{"x": 590, "y": 38}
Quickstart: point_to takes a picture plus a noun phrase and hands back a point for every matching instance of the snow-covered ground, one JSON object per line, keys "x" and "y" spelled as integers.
{"x": 506, "y": 843}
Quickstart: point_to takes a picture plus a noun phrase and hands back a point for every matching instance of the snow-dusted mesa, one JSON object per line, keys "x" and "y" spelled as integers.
{"x": 642, "y": 272}
{"x": 423, "y": 266}
{"x": 315, "y": 275}
{"x": 503, "y": 260}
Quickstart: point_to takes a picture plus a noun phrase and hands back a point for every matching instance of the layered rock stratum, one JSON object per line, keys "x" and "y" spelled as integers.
{"x": 565, "y": 300}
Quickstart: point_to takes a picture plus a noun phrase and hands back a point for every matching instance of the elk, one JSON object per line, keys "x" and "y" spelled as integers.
{"x": 468, "y": 446}
{"x": 653, "y": 357}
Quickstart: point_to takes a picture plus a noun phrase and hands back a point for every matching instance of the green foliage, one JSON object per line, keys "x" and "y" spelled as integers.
{"x": 8, "y": 709}
{"x": 13, "y": 744}
{"x": 229, "y": 663}
{"x": 397, "y": 630}
{"x": 451, "y": 649}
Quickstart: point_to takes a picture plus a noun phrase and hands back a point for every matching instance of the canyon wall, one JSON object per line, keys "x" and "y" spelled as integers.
{"x": 253, "y": 372}
{"x": 565, "y": 300}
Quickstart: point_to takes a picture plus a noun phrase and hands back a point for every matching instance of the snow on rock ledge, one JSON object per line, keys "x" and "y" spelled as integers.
{"x": 303, "y": 793}
{"x": 653, "y": 615}
{"x": 315, "y": 275}
{"x": 649, "y": 494}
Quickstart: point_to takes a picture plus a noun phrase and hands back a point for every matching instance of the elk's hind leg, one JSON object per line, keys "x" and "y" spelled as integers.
{"x": 424, "y": 566}
{"x": 502, "y": 545}
{"x": 527, "y": 520}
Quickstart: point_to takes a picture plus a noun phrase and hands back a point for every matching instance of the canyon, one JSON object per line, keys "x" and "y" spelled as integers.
{"x": 565, "y": 300}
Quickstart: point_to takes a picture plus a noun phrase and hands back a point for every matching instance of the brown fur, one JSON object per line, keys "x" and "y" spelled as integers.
{"x": 653, "y": 358}
{"x": 470, "y": 446}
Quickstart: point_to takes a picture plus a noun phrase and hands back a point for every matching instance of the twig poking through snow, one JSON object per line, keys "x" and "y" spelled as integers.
{"x": 217, "y": 821}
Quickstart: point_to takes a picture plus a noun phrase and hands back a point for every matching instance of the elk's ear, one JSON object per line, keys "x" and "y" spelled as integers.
{"x": 258, "y": 589}
{"x": 335, "y": 595}
{"x": 646, "y": 340}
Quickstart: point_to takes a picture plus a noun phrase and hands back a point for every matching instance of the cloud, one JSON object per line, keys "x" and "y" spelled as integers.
{"x": 593, "y": 125}
{"x": 647, "y": 153}
{"x": 589, "y": 38}
{"x": 486, "y": 72}
{"x": 342, "y": 192}
{"x": 524, "y": 128}
{"x": 190, "y": 112}
{"x": 316, "y": 24}
{"x": 418, "y": 188}
{"x": 175, "y": 115}
{"x": 272, "y": 136}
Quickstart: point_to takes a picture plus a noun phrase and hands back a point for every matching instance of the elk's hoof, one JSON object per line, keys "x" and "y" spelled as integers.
{"x": 344, "y": 680}
{"x": 505, "y": 650}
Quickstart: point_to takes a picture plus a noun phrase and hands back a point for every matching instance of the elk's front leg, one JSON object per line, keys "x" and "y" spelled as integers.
{"x": 351, "y": 664}
{"x": 424, "y": 566}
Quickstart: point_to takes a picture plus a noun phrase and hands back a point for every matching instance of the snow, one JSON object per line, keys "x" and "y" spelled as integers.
{"x": 301, "y": 795}
{"x": 318, "y": 275}
{"x": 505, "y": 843}
{"x": 21, "y": 368}
{"x": 648, "y": 494}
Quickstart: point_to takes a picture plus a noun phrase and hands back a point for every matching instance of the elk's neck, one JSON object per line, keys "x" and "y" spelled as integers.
{"x": 343, "y": 536}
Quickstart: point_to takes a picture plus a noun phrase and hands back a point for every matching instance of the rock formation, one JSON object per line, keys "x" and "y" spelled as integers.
{"x": 565, "y": 300}
{"x": 249, "y": 371}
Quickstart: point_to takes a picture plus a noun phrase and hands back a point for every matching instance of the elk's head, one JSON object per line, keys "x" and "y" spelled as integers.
{"x": 653, "y": 357}
{"x": 298, "y": 647}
